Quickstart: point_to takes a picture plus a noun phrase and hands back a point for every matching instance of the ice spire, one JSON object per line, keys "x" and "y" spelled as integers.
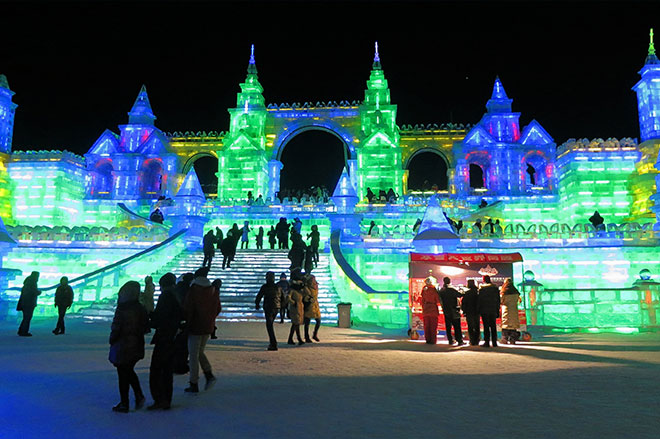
{"x": 376, "y": 65}
{"x": 3, "y": 82}
{"x": 498, "y": 90}
{"x": 252, "y": 66}
{"x": 651, "y": 58}
{"x": 141, "y": 112}
{"x": 499, "y": 102}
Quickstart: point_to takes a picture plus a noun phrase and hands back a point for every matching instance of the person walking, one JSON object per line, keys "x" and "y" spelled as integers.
{"x": 63, "y": 301}
{"x": 297, "y": 253}
{"x": 228, "y": 247}
{"x": 260, "y": 238}
{"x": 272, "y": 237}
{"x": 218, "y": 237}
{"x": 166, "y": 320}
{"x": 27, "y": 302}
{"x": 217, "y": 284}
{"x": 283, "y": 284}
{"x": 430, "y": 313}
{"x": 489, "y": 308}
{"x": 470, "y": 307}
{"x": 200, "y": 308}
{"x": 245, "y": 235}
{"x": 311, "y": 306}
{"x": 147, "y": 296}
{"x": 510, "y": 319}
{"x": 296, "y": 307}
{"x": 127, "y": 343}
{"x": 314, "y": 243}
{"x": 272, "y": 296}
{"x": 449, "y": 299}
{"x": 208, "y": 247}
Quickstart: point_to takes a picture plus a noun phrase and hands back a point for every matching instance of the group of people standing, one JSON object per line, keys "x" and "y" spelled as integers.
{"x": 184, "y": 319}
{"x": 298, "y": 299}
{"x": 477, "y": 304}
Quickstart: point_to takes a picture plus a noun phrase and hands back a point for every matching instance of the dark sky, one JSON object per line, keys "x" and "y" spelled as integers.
{"x": 76, "y": 68}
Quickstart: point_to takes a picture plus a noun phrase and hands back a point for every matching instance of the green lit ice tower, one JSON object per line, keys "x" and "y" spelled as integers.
{"x": 242, "y": 162}
{"x": 7, "y": 112}
{"x": 378, "y": 153}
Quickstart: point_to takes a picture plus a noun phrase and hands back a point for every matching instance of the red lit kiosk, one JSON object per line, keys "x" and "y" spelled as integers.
{"x": 459, "y": 267}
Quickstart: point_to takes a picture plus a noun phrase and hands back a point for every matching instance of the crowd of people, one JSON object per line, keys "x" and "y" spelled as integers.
{"x": 388, "y": 196}
{"x": 300, "y": 253}
{"x": 483, "y": 303}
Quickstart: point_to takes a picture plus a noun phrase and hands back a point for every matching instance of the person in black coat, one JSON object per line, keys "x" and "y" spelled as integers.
{"x": 489, "y": 309}
{"x": 297, "y": 253}
{"x": 228, "y": 246}
{"x": 449, "y": 300}
{"x": 282, "y": 232}
{"x": 208, "y": 244}
{"x": 272, "y": 296}
{"x": 63, "y": 301}
{"x": 284, "y": 288}
{"x": 470, "y": 307}
{"x": 27, "y": 302}
{"x": 272, "y": 237}
{"x": 166, "y": 319}
{"x": 127, "y": 343}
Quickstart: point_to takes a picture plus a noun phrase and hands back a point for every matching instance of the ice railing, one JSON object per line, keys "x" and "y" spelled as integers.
{"x": 195, "y": 134}
{"x": 318, "y": 104}
{"x": 105, "y": 282}
{"x": 82, "y": 235}
{"x": 595, "y": 308}
{"x": 534, "y": 231}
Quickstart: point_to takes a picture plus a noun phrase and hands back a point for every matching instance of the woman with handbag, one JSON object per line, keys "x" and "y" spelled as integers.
{"x": 127, "y": 343}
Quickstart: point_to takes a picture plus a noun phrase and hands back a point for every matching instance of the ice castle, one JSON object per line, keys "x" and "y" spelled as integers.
{"x": 88, "y": 217}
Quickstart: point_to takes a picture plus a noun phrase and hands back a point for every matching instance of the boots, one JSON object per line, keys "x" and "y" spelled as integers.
{"x": 210, "y": 380}
{"x": 192, "y": 388}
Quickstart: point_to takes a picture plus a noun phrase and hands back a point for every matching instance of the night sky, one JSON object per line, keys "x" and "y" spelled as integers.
{"x": 76, "y": 68}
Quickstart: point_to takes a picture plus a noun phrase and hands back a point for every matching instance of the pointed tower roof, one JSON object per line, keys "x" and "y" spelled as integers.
{"x": 344, "y": 186}
{"x": 499, "y": 102}
{"x": 376, "y": 65}
{"x": 191, "y": 186}
{"x": 651, "y": 58}
{"x": 252, "y": 65}
{"x": 434, "y": 224}
{"x": 3, "y": 82}
{"x": 141, "y": 112}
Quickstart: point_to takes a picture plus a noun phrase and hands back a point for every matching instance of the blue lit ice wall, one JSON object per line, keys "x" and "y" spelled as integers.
{"x": 7, "y": 112}
{"x": 648, "y": 95}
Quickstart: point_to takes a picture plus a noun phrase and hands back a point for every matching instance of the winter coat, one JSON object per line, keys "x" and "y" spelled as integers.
{"x": 29, "y": 293}
{"x": 272, "y": 236}
{"x": 449, "y": 298}
{"x": 489, "y": 300}
{"x": 208, "y": 243}
{"x": 167, "y": 317}
{"x": 64, "y": 296}
{"x": 295, "y": 299}
{"x": 128, "y": 328}
{"x": 284, "y": 288}
{"x": 311, "y": 298}
{"x": 201, "y": 307}
{"x": 470, "y": 302}
{"x": 272, "y": 296}
{"x": 510, "y": 300}
{"x": 282, "y": 230}
{"x": 147, "y": 297}
{"x": 430, "y": 301}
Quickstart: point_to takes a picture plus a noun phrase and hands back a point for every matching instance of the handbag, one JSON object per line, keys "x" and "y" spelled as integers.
{"x": 113, "y": 355}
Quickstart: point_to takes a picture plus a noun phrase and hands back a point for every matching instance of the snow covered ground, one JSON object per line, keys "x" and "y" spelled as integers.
{"x": 356, "y": 383}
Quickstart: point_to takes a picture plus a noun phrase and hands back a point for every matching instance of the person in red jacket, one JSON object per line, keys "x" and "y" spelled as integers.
{"x": 430, "y": 302}
{"x": 201, "y": 307}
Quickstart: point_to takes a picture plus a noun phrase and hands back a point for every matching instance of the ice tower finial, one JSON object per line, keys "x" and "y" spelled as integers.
{"x": 3, "y": 82}
{"x": 498, "y": 90}
{"x": 651, "y": 58}
{"x": 252, "y": 66}
{"x": 141, "y": 113}
{"x": 376, "y": 65}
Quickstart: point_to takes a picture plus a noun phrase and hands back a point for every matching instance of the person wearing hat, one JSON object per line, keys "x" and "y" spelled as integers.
{"x": 63, "y": 301}
{"x": 201, "y": 307}
{"x": 430, "y": 302}
{"x": 296, "y": 307}
{"x": 449, "y": 298}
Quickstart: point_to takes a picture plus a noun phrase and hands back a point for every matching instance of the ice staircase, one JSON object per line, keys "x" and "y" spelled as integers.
{"x": 241, "y": 282}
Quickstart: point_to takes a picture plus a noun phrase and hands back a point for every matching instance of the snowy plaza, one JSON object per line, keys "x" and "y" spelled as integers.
{"x": 356, "y": 383}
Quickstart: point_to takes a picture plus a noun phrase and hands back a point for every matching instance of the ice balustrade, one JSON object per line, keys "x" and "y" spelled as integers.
{"x": 63, "y": 235}
{"x": 386, "y": 308}
{"x": 595, "y": 309}
{"x": 519, "y": 231}
{"x": 104, "y": 282}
